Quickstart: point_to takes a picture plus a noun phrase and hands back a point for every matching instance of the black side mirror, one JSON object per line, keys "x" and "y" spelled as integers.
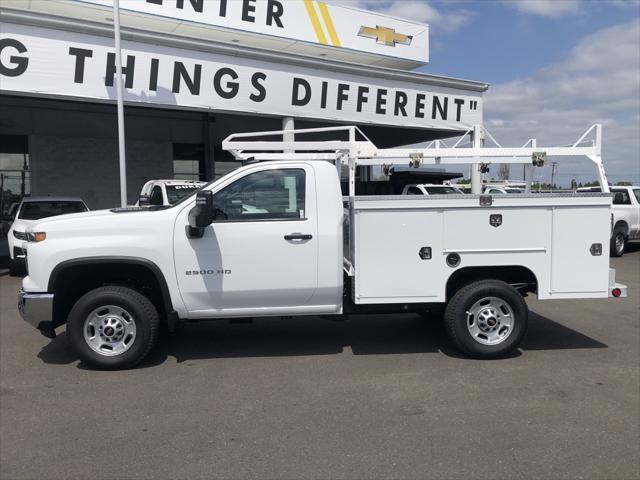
{"x": 143, "y": 200}
{"x": 203, "y": 213}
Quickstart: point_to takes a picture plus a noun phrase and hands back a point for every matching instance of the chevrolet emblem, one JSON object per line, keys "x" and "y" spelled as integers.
{"x": 385, "y": 36}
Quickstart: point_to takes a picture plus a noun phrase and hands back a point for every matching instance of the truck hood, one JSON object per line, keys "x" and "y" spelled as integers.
{"x": 105, "y": 217}
{"x": 99, "y": 219}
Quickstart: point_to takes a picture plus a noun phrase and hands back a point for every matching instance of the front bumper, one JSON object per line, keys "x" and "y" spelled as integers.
{"x": 37, "y": 310}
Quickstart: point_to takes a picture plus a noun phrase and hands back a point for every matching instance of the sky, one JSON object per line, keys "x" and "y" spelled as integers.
{"x": 555, "y": 68}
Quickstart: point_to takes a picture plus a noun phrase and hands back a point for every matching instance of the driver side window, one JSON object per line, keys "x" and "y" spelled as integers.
{"x": 277, "y": 194}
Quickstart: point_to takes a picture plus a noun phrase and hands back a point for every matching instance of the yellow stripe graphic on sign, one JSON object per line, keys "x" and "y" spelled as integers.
{"x": 315, "y": 21}
{"x": 329, "y": 23}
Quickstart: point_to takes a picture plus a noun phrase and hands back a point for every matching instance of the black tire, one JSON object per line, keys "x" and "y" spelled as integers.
{"x": 14, "y": 268}
{"x": 456, "y": 319}
{"x": 140, "y": 310}
{"x": 618, "y": 242}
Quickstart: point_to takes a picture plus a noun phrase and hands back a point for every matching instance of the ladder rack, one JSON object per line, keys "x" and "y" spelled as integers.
{"x": 354, "y": 152}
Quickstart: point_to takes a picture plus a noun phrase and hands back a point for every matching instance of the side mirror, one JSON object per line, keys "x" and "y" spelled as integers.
{"x": 143, "y": 200}
{"x": 203, "y": 213}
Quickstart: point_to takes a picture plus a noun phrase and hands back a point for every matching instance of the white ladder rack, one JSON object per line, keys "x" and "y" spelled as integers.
{"x": 354, "y": 152}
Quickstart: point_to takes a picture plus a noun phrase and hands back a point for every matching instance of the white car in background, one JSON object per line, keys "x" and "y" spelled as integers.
{"x": 431, "y": 189}
{"x": 491, "y": 190}
{"x": 625, "y": 220}
{"x": 30, "y": 210}
{"x": 167, "y": 192}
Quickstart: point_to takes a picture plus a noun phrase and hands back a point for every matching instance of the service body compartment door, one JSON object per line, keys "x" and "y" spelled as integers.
{"x": 261, "y": 255}
{"x": 389, "y": 266}
{"x": 577, "y": 267}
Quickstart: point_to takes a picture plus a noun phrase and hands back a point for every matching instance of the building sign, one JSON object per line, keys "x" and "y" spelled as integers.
{"x": 52, "y": 62}
{"x": 309, "y": 21}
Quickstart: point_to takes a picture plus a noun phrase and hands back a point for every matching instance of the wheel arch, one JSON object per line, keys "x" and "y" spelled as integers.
{"x": 519, "y": 276}
{"x": 622, "y": 224}
{"x": 73, "y": 278}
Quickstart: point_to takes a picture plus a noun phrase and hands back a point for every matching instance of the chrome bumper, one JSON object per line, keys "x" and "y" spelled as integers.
{"x": 37, "y": 310}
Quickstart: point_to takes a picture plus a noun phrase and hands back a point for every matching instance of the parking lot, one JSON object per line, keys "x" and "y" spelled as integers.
{"x": 372, "y": 397}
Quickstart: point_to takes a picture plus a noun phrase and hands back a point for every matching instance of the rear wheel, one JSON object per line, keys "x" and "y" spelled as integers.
{"x": 113, "y": 327}
{"x": 618, "y": 242}
{"x": 486, "y": 319}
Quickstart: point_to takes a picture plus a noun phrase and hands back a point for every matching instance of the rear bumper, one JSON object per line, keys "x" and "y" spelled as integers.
{"x": 37, "y": 310}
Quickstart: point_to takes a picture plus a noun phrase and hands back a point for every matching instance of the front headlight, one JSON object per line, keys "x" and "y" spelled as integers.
{"x": 19, "y": 235}
{"x": 36, "y": 236}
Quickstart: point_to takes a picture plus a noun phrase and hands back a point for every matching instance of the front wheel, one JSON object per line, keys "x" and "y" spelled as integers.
{"x": 113, "y": 327}
{"x": 486, "y": 319}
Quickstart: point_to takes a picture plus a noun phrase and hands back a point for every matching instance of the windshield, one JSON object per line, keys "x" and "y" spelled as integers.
{"x": 513, "y": 190}
{"x": 175, "y": 193}
{"x": 50, "y": 208}
{"x": 441, "y": 190}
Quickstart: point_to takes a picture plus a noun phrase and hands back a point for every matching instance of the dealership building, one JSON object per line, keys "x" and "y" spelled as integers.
{"x": 196, "y": 71}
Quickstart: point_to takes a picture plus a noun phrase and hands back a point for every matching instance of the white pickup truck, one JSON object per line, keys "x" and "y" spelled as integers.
{"x": 114, "y": 276}
{"x": 625, "y": 216}
{"x": 167, "y": 192}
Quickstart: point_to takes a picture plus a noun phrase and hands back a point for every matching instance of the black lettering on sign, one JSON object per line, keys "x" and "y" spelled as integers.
{"x": 420, "y": 98}
{"x": 195, "y": 4}
{"x": 81, "y": 54}
{"x": 248, "y": 11}
{"x": 180, "y": 73}
{"x": 295, "y": 95}
{"x": 231, "y": 88}
{"x": 323, "y": 95}
{"x": 381, "y": 101}
{"x": 439, "y": 107}
{"x": 459, "y": 103}
{"x": 153, "y": 75}
{"x": 274, "y": 12}
{"x": 20, "y": 63}
{"x": 262, "y": 92}
{"x": 362, "y": 97}
{"x": 127, "y": 71}
{"x": 401, "y": 103}
{"x": 343, "y": 95}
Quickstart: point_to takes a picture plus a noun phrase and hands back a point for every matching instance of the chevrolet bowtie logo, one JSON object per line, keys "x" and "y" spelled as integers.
{"x": 385, "y": 36}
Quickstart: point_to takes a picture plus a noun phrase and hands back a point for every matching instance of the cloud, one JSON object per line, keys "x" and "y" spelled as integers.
{"x": 448, "y": 20}
{"x": 546, "y": 8}
{"x": 598, "y": 82}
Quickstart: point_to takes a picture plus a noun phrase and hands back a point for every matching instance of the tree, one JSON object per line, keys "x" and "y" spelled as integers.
{"x": 624, "y": 184}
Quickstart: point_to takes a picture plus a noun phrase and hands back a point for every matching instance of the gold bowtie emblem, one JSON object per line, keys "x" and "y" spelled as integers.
{"x": 385, "y": 36}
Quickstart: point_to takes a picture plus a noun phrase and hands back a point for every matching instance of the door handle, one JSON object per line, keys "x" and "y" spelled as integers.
{"x": 298, "y": 236}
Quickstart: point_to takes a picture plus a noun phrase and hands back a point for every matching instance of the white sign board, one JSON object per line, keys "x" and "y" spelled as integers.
{"x": 45, "y": 61}
{"x": 310, "y": 21}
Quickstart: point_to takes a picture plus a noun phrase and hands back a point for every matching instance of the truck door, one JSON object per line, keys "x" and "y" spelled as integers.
{"x": 260, "y": 254}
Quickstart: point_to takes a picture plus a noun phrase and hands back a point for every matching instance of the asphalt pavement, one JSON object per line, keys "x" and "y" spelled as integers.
{"x": 375, "y": 397}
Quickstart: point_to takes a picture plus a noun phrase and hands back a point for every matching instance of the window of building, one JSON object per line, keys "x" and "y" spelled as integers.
{"x": 15, "y": 177}
{"x": 188, "y": 161}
